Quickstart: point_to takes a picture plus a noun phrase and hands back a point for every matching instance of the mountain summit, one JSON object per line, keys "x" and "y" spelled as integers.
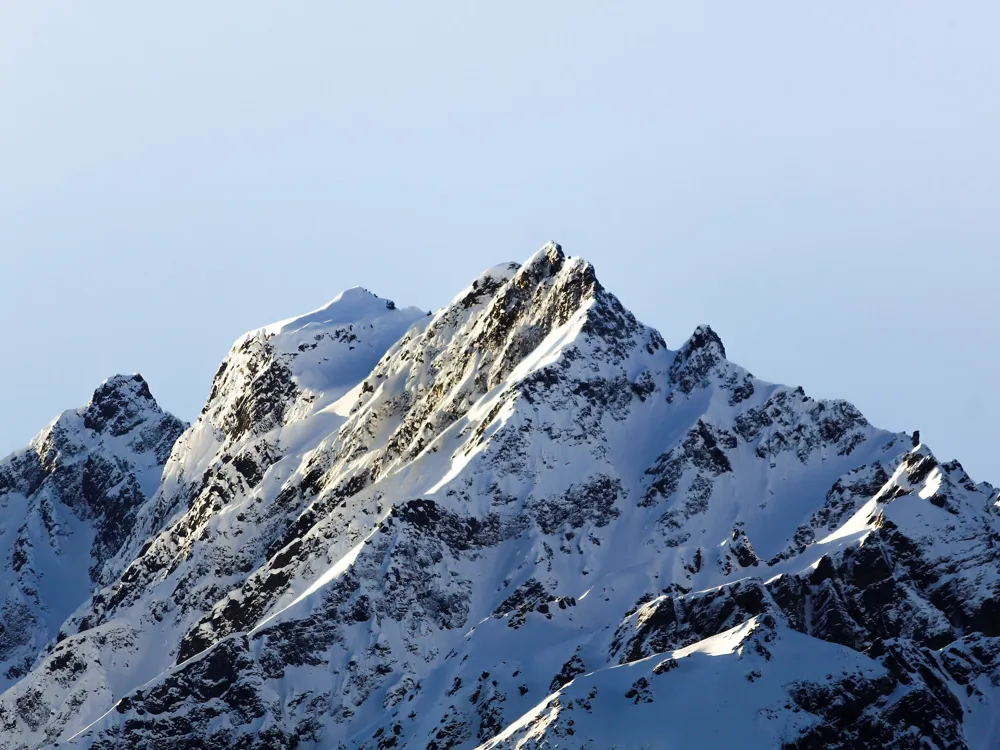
{"x": 522, "y": 521}
{"x": 67, "y": 502}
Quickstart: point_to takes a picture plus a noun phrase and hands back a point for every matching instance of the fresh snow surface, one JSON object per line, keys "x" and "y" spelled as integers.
{"x": 66, "y": 502}
{"x": 666, "y": 701}
{"x": 524, "y": 521}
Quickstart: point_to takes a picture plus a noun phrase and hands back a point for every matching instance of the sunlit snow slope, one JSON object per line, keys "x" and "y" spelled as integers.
{"x": 524, "y": 521}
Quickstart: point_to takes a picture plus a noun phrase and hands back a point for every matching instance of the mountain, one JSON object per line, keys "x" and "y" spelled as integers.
{"x": 524, "y": 521}
{"x": 67, "y": 502}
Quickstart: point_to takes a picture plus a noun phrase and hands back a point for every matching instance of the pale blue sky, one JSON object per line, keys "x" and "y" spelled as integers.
{"x": 819, "y": 182}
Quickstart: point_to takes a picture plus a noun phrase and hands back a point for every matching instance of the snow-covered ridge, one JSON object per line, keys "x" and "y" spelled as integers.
{"x": 518, "y": 522}
{"x": 67, "y": 501}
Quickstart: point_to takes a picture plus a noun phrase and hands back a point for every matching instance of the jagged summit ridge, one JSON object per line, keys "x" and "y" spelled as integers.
{"x": 67, "y": 501}
{"x": 119, "y": 404}
{"x": 517, "y": 522}
{"x": 281, "y": 388}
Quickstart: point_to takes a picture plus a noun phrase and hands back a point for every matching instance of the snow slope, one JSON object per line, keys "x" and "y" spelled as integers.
{"x": 524, "y": 521}
{"x": 66, "y": 503}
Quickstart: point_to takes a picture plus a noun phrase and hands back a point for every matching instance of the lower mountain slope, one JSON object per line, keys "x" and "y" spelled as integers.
{"x": 526, "y": 522}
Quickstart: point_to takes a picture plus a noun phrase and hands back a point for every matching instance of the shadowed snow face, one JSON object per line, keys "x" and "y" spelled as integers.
{"x": 524, "y": 521}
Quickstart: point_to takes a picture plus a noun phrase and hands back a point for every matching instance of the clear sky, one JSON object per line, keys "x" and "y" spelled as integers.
{"x": 818, "y": 181}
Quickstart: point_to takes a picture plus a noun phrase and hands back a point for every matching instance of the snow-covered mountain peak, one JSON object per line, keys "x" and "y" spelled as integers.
{"x": 274, "y": 396}
{"x": 122, "y": 419}
{"x": 119, "y": 404}
{"x": 354, "y": 306}
{"x": 335, "y": 344}
{"x": 308, "y": 361}
{"x": 523, "y": 522}
{"x": 705, "y": 341}
{"x": 546, "y": 261}
{"x": 67, "y": 502}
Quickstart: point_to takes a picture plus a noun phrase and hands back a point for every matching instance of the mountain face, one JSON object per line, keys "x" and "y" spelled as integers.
{"x": 67, "y": 503}
{"x": 522, "y": 521}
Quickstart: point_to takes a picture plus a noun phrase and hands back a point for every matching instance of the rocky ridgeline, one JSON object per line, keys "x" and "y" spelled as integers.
{"x": 522, "y": 521}
{"x": 67, "y": 503}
